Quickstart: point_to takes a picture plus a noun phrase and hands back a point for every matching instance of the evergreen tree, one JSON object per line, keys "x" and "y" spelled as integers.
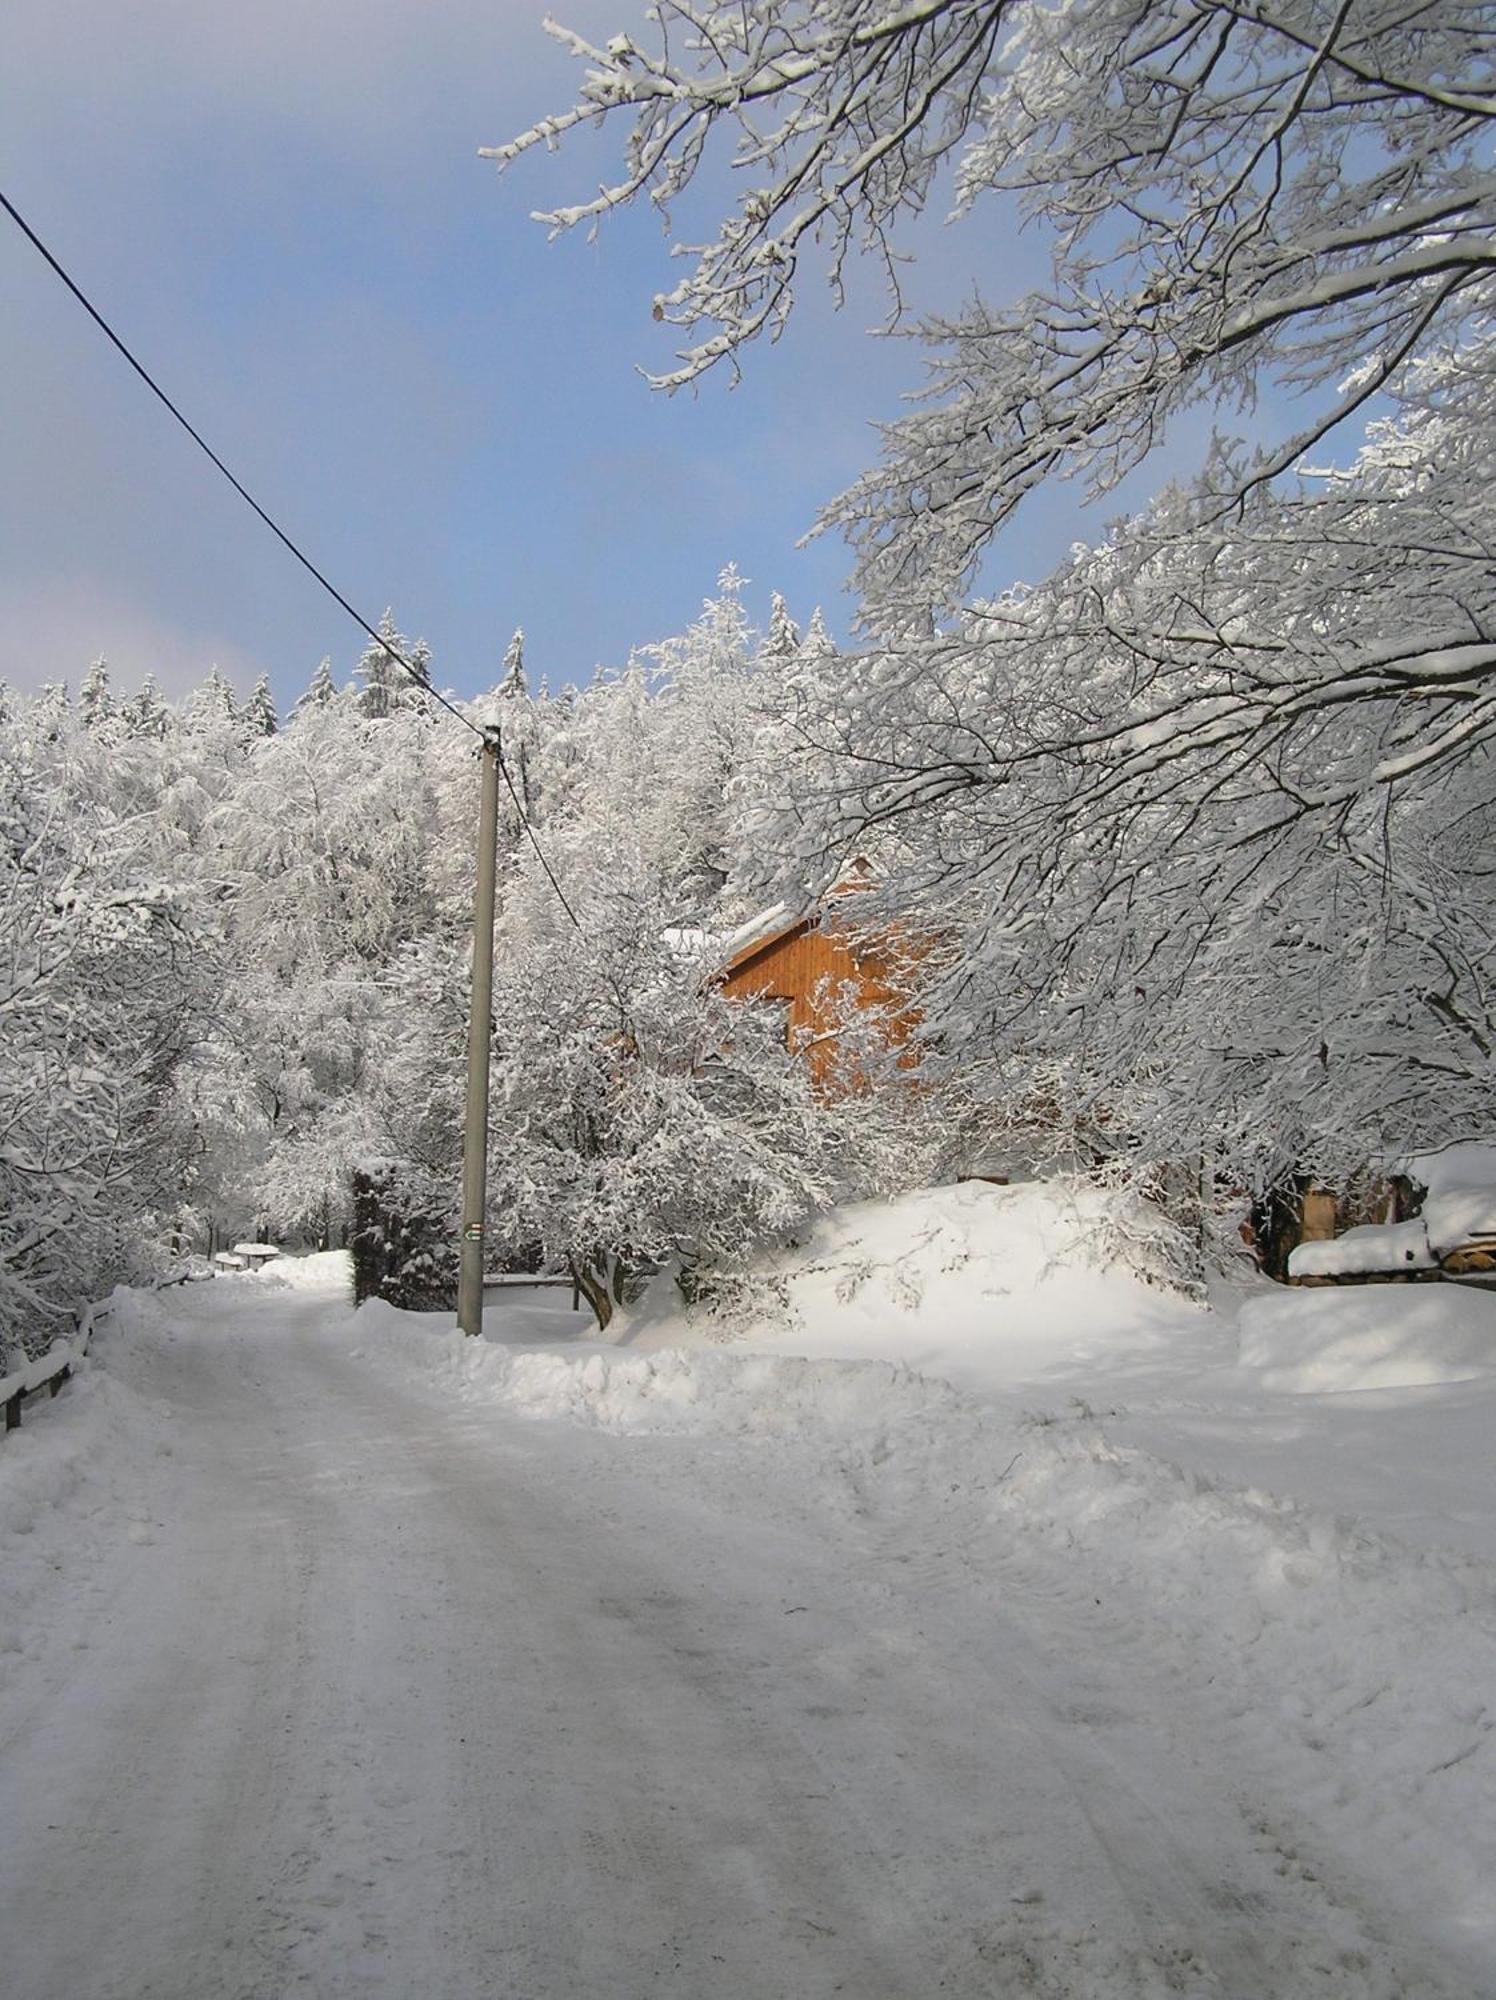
{"x": 385, "y": 686}
{"x": 145, "y": 714}
{"x": 259, "y": 715}
{"x": 212, "y": 704}
{"x": 783, "y": 637}
{"x": 321, "y": 690}
{"x": 513, "y": 684}
{"x": 95, "y": 699}
{"x": 818, "y": 641}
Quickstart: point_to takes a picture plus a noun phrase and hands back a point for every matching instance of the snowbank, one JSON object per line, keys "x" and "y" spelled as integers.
{"x": 80, "y": 1483}
{"x": 1369, "y": 1338}
{"x": 987, "y": 1286}
{"x": 319, "y": 1271}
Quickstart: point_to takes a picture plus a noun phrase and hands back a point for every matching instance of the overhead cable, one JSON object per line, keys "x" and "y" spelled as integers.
{"x": 524, "y": 820}
{"x": 244, "y": 494}
{"x": 379, "y": 638}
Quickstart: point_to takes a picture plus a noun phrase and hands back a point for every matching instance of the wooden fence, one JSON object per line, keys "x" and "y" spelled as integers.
{"x": 49, "y": 1371}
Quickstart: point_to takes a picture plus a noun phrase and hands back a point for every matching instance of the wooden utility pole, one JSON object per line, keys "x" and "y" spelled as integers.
{"x": 480, "y": 1029}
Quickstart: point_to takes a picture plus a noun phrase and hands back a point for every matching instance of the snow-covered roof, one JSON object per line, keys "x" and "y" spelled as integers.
{"x": 1460, "y": 1216}
{"x": 1467, "y": 1163}
{"x": 759, "y": 930}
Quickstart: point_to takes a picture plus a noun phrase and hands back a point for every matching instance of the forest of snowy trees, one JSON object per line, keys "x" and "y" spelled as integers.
{"x": 1195, "y": 834}
{"x": 235, "y": 972}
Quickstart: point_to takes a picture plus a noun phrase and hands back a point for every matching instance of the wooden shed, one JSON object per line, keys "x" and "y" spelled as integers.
{"x": 808, "y": 965}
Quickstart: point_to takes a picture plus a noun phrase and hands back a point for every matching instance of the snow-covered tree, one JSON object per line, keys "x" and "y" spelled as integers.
{"x": 512, "y": 682}
{"x": 145, "y": 713}
{"x": 211, "y": 705}
{"x": 321, "y": 689}
{"x": 95, "y": 697}
{"x": 782, "y": 640}
{"x": 385, "y": 685}
{"x": 107, "y": 975}
{"x": 260, "y": 718}
{"x": 324, "y": 844}
{"x": 639, "y": 1117}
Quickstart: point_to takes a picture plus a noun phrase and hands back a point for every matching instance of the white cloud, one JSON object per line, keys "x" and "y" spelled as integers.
{"x": 53, "y": 631}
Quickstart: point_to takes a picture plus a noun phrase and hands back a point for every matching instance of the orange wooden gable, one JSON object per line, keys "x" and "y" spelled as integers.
{"x": 800, "y": 966}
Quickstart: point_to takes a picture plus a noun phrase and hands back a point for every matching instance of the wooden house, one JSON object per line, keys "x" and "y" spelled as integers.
{"x": 809, "y": 965}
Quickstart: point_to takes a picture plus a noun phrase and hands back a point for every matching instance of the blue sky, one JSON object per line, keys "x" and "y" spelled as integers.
{"x": 281, "y": 208}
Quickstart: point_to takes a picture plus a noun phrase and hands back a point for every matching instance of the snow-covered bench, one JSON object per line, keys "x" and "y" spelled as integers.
{"x": 256, "y": 1254}
{"x": 1455, "y": 1236}
{"x": 1384, "y": 1249}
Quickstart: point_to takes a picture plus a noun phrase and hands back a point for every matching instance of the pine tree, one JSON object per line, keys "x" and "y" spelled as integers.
{"x": 514, "y": 685}
{"x": 95, "y": 699}
{"x": 51, "y": 710}
{"x": 322, "y": 689}
{"x": 386, "y": 686}
{"x": 783, "y": 638}
{"x": 259, "y": 715}
{"x": 145, "y": 713}
{"x": 211, "y": 704}
{"x": 818, "y": 641}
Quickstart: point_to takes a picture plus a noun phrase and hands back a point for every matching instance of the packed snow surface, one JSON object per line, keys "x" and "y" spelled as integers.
{"x": 1358, "y": 1339}
{"x": 351, "y": 1657}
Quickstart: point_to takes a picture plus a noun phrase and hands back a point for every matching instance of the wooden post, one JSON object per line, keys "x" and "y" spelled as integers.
{"x": 475, "y": 1123}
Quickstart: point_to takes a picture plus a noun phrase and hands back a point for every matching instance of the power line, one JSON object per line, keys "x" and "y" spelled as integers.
{"x": 244, "y": 494}
{"x": 281, "y": 536}
{"x": 524, "y": 820}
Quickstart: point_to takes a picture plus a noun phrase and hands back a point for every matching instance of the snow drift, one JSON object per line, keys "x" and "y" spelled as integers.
{"x": 982, "y": 1284}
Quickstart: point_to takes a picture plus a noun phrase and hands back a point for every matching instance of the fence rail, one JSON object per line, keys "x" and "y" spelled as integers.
{"x": 49, "y": 1371}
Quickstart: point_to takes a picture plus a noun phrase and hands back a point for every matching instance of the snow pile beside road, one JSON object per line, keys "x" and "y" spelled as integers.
{"x": 713, "y": 1389}
{"x": 985, "y": 1285}
{"x": 1396, "y": 1337}
{"x": 319, "y": 1271}
{"x": 80, "y": 1482}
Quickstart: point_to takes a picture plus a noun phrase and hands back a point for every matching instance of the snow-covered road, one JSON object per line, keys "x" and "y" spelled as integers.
{"x": 370, "y": 1691}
